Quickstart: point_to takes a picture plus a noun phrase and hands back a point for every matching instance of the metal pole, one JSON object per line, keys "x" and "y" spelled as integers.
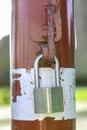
{"x": 28, "y": 19}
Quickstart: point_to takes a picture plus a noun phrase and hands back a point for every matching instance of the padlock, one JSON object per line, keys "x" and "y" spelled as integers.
{"x": 47, "y": 100}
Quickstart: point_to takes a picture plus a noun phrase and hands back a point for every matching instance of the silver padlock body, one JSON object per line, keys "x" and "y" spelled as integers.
{"x": 48, "y": 100}
{"x": 57, "y": 99}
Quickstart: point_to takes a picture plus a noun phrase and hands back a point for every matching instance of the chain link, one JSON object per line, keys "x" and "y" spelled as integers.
{"x": 51, "y": 32}
{"x": 48, "y": 50}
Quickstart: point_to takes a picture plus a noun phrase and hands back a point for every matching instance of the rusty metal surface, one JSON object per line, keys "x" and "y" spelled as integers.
{"x": 25, "y": 50}
{"x": 39, "y": 21}
{"x": 46, "y": 124}
{"x": 27, "y": 24}
{"x": 65, "y": 47}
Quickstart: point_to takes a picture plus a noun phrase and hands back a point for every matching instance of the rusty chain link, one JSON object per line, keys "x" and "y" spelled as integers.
{"x": 49, "y": 49}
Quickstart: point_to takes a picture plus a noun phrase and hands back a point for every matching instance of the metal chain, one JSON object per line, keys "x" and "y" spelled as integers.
{"x": 49, "y": 49}
{"x": 51, "y": 32}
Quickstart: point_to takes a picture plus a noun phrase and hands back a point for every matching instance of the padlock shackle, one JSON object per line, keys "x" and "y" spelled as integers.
{"x": 57, "y": 72}
{"x": 36, "y": 71}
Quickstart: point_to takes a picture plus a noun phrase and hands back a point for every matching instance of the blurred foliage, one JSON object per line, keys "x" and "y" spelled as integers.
{"x": 4, "y": 95}
{"x": 81, "y": 32}
{"x": 81, "y": 93}
{"x": 4, "y": 61}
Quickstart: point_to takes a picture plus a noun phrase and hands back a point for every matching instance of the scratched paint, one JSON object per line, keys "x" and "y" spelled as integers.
{"x": 16, "y": 90}
{"x": 23, "y": 108}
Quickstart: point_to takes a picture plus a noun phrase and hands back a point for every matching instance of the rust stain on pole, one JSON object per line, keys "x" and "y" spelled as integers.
{"x": 26, "y": 39}
{"x": 16, "y": 90}
{"x": 46, "y": 124}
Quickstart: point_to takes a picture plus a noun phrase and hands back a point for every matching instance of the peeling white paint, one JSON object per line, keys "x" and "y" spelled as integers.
{"x": 23, "y": 108}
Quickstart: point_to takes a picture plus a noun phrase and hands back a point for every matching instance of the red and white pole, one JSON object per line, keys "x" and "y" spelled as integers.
{"x": 28, "y": 20}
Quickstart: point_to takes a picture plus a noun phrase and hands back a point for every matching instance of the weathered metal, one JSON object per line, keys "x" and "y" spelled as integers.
{"x": 28, "y": 21}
